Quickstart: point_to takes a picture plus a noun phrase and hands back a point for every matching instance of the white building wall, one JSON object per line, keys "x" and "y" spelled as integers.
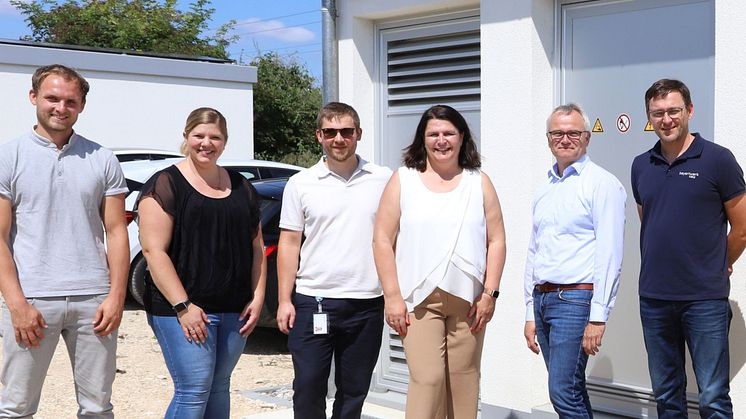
{"x": 518, "y": 88}
{"x": 357, "y": 75}
{"x": 134, "y": 101}
{"x": 517, "y": 96}
{"x": 730, "y": 91}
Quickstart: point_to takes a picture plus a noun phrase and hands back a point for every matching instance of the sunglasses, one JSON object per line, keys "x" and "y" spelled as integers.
{"x": 330, "y": 133}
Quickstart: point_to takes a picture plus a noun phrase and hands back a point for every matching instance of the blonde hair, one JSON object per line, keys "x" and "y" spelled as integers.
{"x": 201, "y": 116}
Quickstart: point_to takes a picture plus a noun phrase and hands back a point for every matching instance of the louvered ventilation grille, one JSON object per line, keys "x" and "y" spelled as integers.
{"x": 436, "y": 69}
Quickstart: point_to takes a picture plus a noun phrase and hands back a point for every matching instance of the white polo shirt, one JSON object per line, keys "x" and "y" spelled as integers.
{"x": 336, "y": 217}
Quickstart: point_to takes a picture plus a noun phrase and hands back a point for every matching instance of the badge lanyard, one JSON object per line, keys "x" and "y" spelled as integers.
{"x": 320, "y": 320}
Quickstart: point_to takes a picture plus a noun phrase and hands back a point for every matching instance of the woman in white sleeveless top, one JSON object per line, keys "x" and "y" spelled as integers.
{"x": 439, "y": 247}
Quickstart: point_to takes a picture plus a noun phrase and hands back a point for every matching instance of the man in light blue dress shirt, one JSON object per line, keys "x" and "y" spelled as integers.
{"x": 574, "y": 260}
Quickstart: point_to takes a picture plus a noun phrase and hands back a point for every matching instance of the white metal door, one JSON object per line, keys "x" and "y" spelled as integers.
{"x": 610, "y": 53}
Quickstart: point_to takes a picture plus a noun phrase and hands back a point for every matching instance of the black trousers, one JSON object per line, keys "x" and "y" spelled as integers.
{"x": 354, "y": 339}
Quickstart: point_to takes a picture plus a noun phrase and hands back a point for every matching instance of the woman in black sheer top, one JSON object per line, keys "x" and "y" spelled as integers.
{"x": 200, "y": 234}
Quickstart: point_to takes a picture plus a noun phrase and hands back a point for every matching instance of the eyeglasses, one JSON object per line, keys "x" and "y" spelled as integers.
{"x": 558, "y": 135}
{"x": 672, "y": 113}
{"x": 330, "y": 133}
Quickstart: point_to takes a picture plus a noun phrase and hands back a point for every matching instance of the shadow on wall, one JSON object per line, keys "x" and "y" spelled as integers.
{"x": 603, "y": 366}
{"x": 737, "y": 338}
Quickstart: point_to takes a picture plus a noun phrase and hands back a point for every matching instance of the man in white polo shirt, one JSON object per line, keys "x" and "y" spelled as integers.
{"x": 327, "y": 219}
{"x": 59, "y": 192}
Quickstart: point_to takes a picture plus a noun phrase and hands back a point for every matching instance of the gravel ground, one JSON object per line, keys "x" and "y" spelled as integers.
{"x": 143, "y": 388}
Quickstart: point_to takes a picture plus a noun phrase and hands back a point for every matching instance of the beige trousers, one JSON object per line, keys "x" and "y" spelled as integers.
{"x": 443, "y": 357}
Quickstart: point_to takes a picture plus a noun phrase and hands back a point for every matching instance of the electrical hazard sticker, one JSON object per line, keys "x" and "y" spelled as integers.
{"x": 597, "y": 127}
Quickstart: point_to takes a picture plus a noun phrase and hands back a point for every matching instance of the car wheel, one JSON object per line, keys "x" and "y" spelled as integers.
{"x": 267, "y": 318}
{"x": 137, "y": 279}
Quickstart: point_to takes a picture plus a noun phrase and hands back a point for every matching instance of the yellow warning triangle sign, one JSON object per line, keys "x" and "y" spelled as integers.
{"x": 597, "y": 126}
{"x": 649, "y": 127}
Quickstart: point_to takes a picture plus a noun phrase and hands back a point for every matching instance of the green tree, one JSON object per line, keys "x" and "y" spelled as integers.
{"x": 140, "y": 25}
{"x": 286, "y": 101}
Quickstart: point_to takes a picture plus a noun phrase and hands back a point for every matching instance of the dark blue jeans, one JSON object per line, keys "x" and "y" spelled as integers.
{"x": 704, "y": 326}
{"x": 561, "y": 318}
{"x": 354, "y": 338}
{"x": 201, "y": 372}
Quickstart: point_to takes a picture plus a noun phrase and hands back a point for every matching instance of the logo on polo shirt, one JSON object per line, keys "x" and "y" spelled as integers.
{"x": 690, "y": 175}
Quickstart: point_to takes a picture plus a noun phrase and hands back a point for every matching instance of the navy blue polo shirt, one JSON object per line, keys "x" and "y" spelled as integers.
{"x": 684, "y": 225}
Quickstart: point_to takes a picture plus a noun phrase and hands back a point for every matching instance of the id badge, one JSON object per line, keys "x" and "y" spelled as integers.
{"x": 320, "y": 324}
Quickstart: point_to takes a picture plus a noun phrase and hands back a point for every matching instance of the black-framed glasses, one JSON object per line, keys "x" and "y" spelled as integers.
{"x": 330, "y": 133}
{"x": 558, "y": 135}
{"x": 672, "y": 113}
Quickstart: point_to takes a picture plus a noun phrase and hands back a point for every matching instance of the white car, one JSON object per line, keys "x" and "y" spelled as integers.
{"x": 133, "y": 154}
{"x": 138, "y": 172}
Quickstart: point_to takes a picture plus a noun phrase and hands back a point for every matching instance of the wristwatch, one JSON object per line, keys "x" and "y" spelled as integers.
{"x": 178, "y": 308}
{"x": 492, "y": 293}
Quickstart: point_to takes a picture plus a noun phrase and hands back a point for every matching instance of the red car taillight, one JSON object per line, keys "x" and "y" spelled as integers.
{"x": 129, "y": 216}
{"x": 268, "y": 250}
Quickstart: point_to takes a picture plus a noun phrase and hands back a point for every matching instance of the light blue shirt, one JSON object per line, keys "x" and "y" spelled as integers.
{"x": 577, "y": 234}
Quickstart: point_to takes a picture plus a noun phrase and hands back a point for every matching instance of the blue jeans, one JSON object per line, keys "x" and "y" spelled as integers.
{"x": 201, "y": 372}
{"x": 704, "y": 326}
{"x": 354, "y": 338}
{"x": 561, "y": 318}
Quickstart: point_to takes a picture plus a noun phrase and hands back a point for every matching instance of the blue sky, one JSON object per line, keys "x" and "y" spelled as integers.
{"x": 288, "y": 27}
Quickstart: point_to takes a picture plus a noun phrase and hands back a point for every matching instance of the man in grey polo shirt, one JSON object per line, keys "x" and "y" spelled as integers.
{"x": 59, "y": 192}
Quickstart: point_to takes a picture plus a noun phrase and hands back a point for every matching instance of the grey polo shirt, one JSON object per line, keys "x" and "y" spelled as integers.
{"x": 57, "y": 235}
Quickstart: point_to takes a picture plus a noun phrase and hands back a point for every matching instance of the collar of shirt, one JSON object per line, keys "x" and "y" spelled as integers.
{"x": 321, "y": 170}
{"x": 570, "y": 170}
{"x": 46, "y": 142}
{"x": 694, "y": 151}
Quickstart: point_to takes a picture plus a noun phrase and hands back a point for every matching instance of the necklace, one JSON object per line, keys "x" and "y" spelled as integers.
{"x": 219, "y": 182}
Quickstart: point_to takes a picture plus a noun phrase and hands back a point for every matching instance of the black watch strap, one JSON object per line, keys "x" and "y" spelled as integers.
{"x": 182, "y": 306}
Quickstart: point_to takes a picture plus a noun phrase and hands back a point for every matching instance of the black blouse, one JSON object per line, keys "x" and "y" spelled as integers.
{"x": 211, "y": 243}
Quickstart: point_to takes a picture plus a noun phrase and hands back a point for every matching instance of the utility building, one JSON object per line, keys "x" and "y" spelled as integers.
{"x": 136, "y": 100}
{"x": 505, "y": 65}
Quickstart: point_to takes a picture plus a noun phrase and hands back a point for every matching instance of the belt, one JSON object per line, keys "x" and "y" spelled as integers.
{"x": 549, "y": 287}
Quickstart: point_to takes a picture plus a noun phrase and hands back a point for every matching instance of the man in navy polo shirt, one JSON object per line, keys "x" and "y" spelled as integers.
{"x": 687, "y": 190}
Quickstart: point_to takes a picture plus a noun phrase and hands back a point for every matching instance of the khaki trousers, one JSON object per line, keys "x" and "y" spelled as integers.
{"x": 443, "y": 357}
{"x": 93, "y": 358}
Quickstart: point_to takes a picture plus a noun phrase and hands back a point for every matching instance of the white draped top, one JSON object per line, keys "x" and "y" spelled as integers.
{"x": 442, "y": 239}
